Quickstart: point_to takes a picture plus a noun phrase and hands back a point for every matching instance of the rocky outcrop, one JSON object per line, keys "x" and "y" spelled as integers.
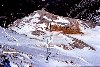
{"x": 76, "y": 44}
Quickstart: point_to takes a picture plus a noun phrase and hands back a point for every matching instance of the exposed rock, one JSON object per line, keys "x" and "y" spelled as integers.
{"x": 80, "y": 44}
{"x": 38, "y": 32}
{"x": 75, "y": 44}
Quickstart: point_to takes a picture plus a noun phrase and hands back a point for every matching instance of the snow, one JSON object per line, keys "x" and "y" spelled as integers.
{"x": 60, "y": 19}
{"x": 32, "y": 49}
{"x": 47, "y": 18}
{"x": 13, "y": 65}
{"x": 41, "y": 25}
{"x": 98, "y": 10}
{"x": 36, "y": 15}
{"x": 58, "y": 56}
{"x": 25, "y": 27}
{"x": 97, "y": 18}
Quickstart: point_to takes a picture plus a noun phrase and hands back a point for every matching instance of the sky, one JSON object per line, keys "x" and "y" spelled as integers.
{"x": 12, "y": 10}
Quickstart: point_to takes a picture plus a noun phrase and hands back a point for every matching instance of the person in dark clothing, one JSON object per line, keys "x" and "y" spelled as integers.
{"x": 6, "y": 63}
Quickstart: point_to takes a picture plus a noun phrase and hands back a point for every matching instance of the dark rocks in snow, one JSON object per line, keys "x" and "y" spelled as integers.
{"x": 80, "y": 44}
{"x": 38, "y": 32}
{"x": 75, "y": 44}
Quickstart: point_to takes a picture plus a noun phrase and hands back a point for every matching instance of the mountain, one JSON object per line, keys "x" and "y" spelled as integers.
{"x": 43, "y": 39}
{"x": 44, "y": 21}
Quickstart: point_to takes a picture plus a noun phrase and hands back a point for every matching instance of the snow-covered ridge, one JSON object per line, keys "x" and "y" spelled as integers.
{"x": 42, "y": 20}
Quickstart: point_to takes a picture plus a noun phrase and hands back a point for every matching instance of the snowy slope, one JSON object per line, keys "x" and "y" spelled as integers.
{"x": 63, "y": 49}
{"x": 32, "y": 47}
